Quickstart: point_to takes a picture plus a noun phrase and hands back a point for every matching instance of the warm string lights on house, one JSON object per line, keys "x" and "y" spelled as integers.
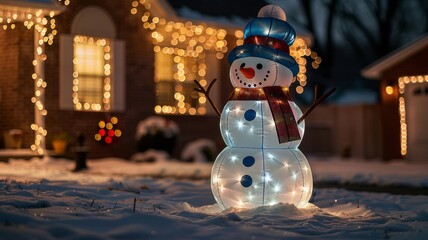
{"x": 187, "y": 67}
{"x": 65, "y": 2}
{"x": 300, "y": 50}
{"x": 44, "y": 25}
{"x": 402, "y": 82}
{"x": 193, "y": 38}
{"x": 186, "y": 39}
{"x": 183, "y": 41}
{"x": 42, "y": 20}
{"x": 91, "y": 61}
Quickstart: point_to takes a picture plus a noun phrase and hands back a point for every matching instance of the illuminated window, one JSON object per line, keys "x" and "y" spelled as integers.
{"x": 174, "y": 75}
{"x": 92, "y": 70}
{"x": 92, "y": 64}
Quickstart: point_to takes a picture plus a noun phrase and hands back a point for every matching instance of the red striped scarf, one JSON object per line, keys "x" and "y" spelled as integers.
{"x": 285, "y": 123}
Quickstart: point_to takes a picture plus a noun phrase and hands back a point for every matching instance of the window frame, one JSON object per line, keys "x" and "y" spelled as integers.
{"x": 102, "y": 28}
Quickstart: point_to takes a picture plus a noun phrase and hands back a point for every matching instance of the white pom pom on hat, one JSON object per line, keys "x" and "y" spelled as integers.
{"x": 272, "y": 11}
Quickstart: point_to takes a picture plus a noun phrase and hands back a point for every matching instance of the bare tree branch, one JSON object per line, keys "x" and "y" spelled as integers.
{"x": 202, "y": 90}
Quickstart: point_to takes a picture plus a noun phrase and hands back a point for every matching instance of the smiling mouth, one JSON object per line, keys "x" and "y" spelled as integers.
{"x": 249, "y": 74}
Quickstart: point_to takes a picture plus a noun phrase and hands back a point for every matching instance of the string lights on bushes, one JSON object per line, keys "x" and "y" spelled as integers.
{"x": 108, "y": 131}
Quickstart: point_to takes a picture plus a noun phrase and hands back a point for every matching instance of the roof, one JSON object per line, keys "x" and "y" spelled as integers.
{"x": 236, "y": 12}
{"x": 375, "y": 69}
{"x": 229, "y": 14}
{"x": 30, "y": 5}
{"x": 237, "y": 8}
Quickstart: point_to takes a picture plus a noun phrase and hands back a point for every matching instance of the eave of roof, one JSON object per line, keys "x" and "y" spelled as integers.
{"x": 165, "y": 9}
{"x": 31, "y": 6}
{"x": 376, "y": 69}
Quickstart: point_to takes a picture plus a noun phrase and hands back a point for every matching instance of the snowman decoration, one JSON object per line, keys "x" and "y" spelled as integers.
{"x": 262, "y": 164}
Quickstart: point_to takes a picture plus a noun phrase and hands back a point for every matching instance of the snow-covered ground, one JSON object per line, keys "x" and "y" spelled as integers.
{"x": 327, "y": 170}
{"x": 43, "y": 199}
{"x": 370, "y": 172}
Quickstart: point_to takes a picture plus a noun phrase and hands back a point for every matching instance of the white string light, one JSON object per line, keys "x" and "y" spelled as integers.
{"x": 402, "y": 82}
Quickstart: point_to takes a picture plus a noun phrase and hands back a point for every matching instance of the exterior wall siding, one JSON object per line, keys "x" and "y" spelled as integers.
{"x": 16, "y": 84}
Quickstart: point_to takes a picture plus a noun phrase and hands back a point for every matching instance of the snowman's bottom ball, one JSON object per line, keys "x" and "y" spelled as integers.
{"x": 248, "y": 178}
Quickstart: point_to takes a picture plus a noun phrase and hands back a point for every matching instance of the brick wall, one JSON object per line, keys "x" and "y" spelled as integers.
{"x": 16, "y": 84}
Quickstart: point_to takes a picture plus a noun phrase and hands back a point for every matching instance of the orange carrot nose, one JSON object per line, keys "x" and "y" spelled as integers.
{"x": 248, "y": 72}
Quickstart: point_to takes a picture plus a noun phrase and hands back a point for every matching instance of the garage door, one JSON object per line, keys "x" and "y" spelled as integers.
{"x": 416, "y": 99}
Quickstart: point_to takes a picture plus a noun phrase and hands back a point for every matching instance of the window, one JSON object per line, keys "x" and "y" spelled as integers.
{"x": 92, "y": 70}
{"x": 174, "y": 75}
{"x": 92, "y": 64}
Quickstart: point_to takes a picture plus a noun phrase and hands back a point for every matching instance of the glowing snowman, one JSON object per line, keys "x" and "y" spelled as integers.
{"x": 262, "y": 164}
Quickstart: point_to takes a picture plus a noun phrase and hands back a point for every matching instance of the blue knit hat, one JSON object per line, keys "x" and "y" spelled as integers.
{"x": 268, "y": 36}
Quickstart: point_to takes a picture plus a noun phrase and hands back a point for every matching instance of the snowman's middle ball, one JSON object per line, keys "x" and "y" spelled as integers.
{"x": 255, "y": 72}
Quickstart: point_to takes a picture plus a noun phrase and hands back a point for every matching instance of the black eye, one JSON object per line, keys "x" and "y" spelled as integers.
{"x": 242, "y": 65}
{"x": 259, "y": 66}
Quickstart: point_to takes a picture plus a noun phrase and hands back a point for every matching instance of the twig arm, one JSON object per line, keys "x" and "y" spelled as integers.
{"x": 316, "y": 103}
{"x": 202, "y": 90}
{"x": 316, "y": 93}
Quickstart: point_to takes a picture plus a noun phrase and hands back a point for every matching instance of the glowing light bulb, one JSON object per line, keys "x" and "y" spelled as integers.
{"x": 294, "y": 176}
{"x": 268, "y": 178}
{"x": 389, "y": 90}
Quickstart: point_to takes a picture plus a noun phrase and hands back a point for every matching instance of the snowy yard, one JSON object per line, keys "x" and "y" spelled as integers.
{"x": 42, "y": 199}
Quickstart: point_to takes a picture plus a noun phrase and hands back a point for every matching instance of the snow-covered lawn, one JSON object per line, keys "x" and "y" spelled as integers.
{"x": 43, "y": 199}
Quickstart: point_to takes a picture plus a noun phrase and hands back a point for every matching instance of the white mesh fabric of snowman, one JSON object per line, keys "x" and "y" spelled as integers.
{"x": 255, "y": 169}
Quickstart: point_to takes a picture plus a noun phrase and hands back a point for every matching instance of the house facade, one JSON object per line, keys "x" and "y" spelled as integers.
{"x": 404, "y": 97}
{"x": 110, "y": 65}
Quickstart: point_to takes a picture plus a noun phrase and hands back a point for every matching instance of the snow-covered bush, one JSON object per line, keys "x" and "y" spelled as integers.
{"x": 157, "y": 133}
{"x": 201, "y": 150}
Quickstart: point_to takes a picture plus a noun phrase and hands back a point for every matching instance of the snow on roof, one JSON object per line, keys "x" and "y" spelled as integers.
{"x": 25, "y": 5}
{"x": 234, "y": 14}
{"x": 244, "y": 9}
{"x": 38, "y": 1}
{"x": 375, "y": 69}
{"x": 29, "y": 3}
{"x": 356, "y": 96}
{"x": 232, "y": 21}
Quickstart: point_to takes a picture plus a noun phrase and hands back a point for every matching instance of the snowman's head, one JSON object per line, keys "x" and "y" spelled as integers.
{"x": 264, "y": 59}
{"x": 254, "y": 72}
